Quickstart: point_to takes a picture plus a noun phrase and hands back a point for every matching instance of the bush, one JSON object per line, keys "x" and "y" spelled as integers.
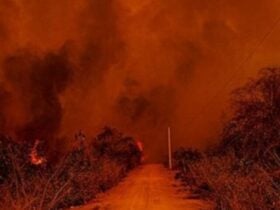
{"x": 243, "y": 171}
{"x": 74, "y": 179}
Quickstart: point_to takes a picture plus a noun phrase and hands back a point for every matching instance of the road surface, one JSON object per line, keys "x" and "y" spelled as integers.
{"x": 149, "y": 187}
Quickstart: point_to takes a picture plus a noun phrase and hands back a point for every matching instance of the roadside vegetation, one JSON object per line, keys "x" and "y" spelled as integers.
{"x": 242, "y": 172}
{"x": 70, "y": 180}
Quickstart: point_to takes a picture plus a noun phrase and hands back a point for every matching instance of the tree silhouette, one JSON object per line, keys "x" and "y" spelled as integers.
{"x": 253, "y": 131}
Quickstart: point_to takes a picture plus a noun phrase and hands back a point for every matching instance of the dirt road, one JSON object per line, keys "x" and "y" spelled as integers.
{"x": 150, "y": 187}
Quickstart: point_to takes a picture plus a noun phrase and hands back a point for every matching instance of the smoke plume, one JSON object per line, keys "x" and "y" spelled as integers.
{"x": 36, "y": 83}
{"x": 137, "y": 65}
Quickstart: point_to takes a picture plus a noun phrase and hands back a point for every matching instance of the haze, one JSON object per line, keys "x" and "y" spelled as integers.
{"x": 139, "y": 66}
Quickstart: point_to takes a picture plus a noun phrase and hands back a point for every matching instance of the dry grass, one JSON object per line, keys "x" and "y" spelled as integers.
{"x": 230, "y": 185}
{"x": 242, "y": 172}
{"x": 233, "y": 189}
{"x": 72, "y": 180}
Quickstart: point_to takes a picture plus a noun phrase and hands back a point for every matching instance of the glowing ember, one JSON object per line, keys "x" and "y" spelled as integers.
{"x": 35, "y": 159}
{"x": 139, "y": 145}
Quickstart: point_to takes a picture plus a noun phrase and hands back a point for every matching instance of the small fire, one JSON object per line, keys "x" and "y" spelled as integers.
{"x": 35, "y": 158}
{"x": 139, "y": 145}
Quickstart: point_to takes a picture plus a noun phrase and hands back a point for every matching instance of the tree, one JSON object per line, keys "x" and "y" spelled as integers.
{"x": 253, "y": 131}
{"x": 183, "y": 157}
{"x": 114, "y": 145}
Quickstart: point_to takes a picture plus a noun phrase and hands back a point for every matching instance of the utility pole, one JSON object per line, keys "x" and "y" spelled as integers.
{"x": 169, "y": 148}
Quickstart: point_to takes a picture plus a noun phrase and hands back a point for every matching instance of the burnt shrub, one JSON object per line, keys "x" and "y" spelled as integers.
{"x": 73, "y": 179}
{"x": 242, "y": 171}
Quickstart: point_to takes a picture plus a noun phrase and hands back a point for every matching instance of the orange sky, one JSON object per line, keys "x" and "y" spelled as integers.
{"x": 137, "y": 65}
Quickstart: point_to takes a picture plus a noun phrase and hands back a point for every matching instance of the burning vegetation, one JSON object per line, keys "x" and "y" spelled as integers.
{"x": 242, "y": 172}
{"x": 35, "y": 158}
{"x": 28, "y": 181}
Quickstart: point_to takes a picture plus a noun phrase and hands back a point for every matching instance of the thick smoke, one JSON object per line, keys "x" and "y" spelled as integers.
{"x": 146, "y": 111}
{"x": 37, "y": 82}
{"x": 138, "y": 65}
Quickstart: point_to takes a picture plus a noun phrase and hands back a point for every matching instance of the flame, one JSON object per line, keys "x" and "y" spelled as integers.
{"x": 35, "y": 158}
{"x": 139, "y": 145}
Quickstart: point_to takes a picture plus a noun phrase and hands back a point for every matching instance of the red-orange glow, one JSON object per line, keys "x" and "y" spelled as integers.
{"x": 137, "y": 65}
{"x": 140, "y": 145}
{"x": 35, "y": 158}
{"x": 141, "y": 149}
